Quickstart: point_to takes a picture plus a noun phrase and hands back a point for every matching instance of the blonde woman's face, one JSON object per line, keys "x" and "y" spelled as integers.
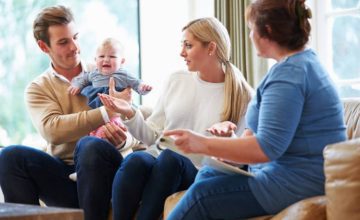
{"x": 195, "y": 54}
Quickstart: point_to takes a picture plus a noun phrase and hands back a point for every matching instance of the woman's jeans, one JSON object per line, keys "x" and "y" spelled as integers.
{"x": 143, "y": 183}
{"x": 28, "y": 174}
{"x": 215, "y": 195}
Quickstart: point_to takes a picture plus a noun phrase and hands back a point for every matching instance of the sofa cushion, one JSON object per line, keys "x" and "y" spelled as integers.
{"x": 171, "y": 201}
{"x": 342, "y": 186}
{"x": 352, "y": 117}
{"x": 307, "y": 209}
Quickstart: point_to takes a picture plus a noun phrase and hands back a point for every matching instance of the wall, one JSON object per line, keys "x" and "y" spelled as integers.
{"x": 161, "y": 24}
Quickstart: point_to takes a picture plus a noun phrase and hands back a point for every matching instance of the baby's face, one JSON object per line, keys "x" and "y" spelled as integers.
{"x": 108, "y": 60}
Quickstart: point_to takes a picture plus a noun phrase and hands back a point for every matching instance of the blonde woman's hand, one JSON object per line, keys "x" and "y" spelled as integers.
{"x": 126, "y": 94}
{"x": 188, "y": 141}
{"x": 117, "y": 105}
{"x": 223, "y": 129}
{"x": 247, "y": 133}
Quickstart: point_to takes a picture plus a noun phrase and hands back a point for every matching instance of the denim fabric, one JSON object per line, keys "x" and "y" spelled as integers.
{"x": 28, "y": 174}
{"x": 96, "y": 162}
{"x": 129, "y": 183}
{"x": 215, "y": 195}
{"x": 148, "y": 182}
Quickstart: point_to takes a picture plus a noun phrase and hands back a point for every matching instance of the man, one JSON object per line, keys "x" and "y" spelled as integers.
{"x": 28, "y": 174}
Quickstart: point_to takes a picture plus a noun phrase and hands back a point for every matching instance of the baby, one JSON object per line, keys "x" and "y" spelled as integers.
{"x": 109, "y": 62}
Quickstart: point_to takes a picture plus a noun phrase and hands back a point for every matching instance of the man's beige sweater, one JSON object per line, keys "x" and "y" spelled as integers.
{"x": 61, "y": 118}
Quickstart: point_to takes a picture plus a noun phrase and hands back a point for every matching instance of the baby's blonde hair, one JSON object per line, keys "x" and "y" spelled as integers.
{"x": 112, "y": 43}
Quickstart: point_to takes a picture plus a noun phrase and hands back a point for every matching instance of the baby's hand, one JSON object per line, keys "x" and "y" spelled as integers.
{"x": 144, "y": 89}
{"x": 74, "y": 90}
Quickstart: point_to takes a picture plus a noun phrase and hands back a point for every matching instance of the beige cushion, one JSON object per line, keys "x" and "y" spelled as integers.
{"x": 352, "y": 117}
{"x": 342, "y": 186}
{"x": 171, "y": 201}
{"x": 307, "y": 209}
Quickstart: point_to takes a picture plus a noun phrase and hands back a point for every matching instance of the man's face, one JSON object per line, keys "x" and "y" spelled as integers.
{"x": 64, "y": 49}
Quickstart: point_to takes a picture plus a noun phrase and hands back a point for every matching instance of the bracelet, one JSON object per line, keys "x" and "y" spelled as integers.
{"x": 122, "y": 145}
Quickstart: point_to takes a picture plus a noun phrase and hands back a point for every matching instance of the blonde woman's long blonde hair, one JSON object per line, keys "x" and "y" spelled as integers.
{"x": 237, "y": 91}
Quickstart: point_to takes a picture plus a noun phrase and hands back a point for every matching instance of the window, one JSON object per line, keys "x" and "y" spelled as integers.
{"x": 21, "y": 60}
{"x": 161, "y": 39}
{"x": 336, "y": 29}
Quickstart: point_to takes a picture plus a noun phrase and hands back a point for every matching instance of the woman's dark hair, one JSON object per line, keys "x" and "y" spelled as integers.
{"x": 284, "y": 21}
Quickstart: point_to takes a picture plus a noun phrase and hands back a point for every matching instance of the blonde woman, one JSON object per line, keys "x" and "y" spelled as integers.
{"x": 211, "y": 97}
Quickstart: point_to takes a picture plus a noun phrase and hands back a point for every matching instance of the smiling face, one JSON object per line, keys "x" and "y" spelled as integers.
{"x": 194, "y": 52}
{"x": 109, "y": 59}
{"x": 64, "y": 49}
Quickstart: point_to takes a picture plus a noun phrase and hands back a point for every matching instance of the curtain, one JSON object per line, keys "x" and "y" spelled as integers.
{"x": 243, "y": 54}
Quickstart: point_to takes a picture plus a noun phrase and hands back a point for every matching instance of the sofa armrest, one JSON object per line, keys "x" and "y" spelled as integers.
{"x": 306, "y": 209}
{"x": 342, "y": 186}
{"x": 171, "y": 201}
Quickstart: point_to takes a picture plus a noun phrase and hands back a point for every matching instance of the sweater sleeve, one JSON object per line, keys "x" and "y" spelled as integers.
{"x": 58, "y": 117}
{"x": 149, "y": 130}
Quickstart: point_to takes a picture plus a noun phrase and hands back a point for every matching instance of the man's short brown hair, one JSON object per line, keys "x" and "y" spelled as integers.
{"x": 54, "y": 15}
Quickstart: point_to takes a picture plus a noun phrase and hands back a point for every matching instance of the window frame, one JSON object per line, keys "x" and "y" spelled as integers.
{"x": 320, "y": 39}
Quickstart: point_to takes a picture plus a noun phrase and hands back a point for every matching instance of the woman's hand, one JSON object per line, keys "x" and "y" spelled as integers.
{"x": 247, "y": 133}
{"x": 117, "y": 105}
{"x": 223, "y": 129}
{"x": 188, "y": 141}
{"x": 115, "y": 133}
{"x": 126, "y": 94}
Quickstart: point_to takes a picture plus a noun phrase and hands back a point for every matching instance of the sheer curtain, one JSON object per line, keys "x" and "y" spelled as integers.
{"x": 243, "y": 55}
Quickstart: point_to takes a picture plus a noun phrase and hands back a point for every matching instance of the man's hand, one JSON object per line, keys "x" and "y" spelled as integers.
{"x": 115, "y": 133}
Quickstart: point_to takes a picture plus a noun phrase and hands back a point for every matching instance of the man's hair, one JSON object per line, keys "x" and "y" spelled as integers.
{"x": 54, "y": 15}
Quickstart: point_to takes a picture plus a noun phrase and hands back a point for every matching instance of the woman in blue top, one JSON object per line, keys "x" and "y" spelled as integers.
{"x": 296, "y": 112}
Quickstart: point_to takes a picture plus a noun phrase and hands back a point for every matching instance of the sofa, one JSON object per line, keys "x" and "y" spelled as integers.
{"x": 342, "y": 174}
